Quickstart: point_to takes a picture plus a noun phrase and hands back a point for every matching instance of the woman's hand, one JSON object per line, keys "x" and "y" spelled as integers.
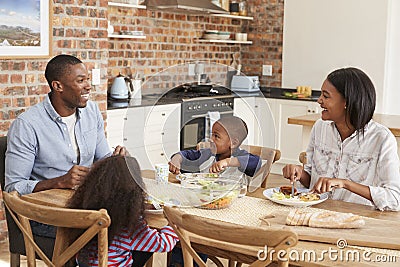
{"x": 292, "y": 172}
{"x": 325, "y": 184}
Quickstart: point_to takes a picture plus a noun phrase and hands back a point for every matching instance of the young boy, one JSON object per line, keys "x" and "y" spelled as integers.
{"x": 228, "y": 134}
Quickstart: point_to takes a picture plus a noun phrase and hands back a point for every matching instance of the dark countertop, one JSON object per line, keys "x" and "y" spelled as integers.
{"x": 154, "y": 99}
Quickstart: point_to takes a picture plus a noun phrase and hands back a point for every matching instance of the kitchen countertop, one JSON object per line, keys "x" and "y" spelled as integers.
{"x": 154, "y": 99}
{"x": 390, "y": 121}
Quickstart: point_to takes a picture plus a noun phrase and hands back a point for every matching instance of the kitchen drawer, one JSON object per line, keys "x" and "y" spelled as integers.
{"x": 155, "y": 135}
{"x": 150, "y": 155}
{"x": 161, "y": 153}
{"x": 165, "y": 116}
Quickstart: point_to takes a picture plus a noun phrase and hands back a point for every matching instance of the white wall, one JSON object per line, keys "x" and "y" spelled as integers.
{"x": 391, "y": 94}
{"x": 323, "y": 35}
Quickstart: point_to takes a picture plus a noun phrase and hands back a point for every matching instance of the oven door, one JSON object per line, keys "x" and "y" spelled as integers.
{"x": 197, "y": 129}
{"x": 193, "y": 132}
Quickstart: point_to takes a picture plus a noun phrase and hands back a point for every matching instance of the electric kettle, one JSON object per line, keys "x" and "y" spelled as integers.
{"x": 119, "y": 88}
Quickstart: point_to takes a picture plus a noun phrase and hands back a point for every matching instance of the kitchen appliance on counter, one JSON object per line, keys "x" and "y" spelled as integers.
{"x": 245, "y": 84}
{"x": 121, "y": 87}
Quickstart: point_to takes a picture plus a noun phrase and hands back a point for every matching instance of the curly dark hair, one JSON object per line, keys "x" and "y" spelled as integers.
{"x": 58, "y": 66}
{"x": 358, "y": 91}
{"x": 115, "y": 184}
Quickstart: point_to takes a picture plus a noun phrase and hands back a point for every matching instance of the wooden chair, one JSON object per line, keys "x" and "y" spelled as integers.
{"x": 270, "y": 155}
{"x": 68, "y": 242}
{"x": 303, "y": 158}
{"x": 266, "y": 154}
{"x": 16, "y": 244}
{"x": 186, "y": 225}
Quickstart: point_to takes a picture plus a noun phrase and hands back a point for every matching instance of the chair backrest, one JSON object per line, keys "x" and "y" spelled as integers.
{"x": 3, "y": 148}
{"x": 270, "y": 155}
{"x": 67, "y": 243}
{"x": 303, "y": 158}
{"x": 186, "y": 224}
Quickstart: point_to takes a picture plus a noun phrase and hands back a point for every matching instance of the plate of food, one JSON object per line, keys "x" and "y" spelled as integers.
{"x": 302, "y": 197}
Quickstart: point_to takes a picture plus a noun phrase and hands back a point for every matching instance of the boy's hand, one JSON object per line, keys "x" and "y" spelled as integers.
{"x": 175, "y": 164}
{"x": 219, "y": 166}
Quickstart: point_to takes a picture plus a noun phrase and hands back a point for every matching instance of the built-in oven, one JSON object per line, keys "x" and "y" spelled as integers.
{"x": 197, "y": 116}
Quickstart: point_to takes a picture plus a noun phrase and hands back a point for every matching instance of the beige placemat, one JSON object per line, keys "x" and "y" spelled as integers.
{"x": 245, "y": 211}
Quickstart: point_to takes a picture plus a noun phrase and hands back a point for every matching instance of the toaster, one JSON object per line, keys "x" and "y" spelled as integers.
{"x": 248, "y": 84}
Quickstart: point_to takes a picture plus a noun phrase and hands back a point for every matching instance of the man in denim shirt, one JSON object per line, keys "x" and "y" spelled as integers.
{"x": 54, "y": 143}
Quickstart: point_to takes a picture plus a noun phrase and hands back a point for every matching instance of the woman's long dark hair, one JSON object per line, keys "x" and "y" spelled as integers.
{"x": 358, "y": 91}
{"x": 114, "y": 184}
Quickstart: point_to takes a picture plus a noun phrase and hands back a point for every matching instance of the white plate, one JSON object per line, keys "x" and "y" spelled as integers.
{"x": 294, "y": 202}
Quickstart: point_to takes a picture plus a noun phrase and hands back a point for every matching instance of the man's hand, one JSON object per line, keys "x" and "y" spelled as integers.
{"x": 71, "y": 180}
{"x": 175, "y": 164}
{"x": 120, "y": 150}
{"x": 74, "y": 177}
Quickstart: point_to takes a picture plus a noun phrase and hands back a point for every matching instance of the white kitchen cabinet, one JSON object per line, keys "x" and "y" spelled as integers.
{"x": 151, "y": 134}
{"x": 257, "y": 112}
{"x": 115, "y": 126}
{"x": 244, "y": 108}
{"x": 289, "y": 137}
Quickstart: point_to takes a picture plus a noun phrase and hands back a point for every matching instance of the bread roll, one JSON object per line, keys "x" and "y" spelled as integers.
{"x": 324, "y": 219}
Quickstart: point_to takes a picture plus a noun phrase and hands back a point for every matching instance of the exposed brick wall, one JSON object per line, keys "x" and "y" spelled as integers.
{"x": 170, "y": 41}
{"x": 266, "y": 31}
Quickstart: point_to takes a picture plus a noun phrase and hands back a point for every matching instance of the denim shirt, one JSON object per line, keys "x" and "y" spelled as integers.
{"x": 39, "y": 146}
{"x": 370, "y": 160}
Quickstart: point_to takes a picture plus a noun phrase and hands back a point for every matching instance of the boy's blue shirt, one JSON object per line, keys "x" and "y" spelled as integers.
{"x": 192, "y": 160}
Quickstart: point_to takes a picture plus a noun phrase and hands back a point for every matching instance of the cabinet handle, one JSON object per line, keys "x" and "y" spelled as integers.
{"x": 309, "y": 110}
{"x": 162, "y": 133}
{"x": 313, "y": 111}
{"x": 125, "y": 118}
{"x": 162, "y": 114}
{"x": 162, "y": 154}
{"x": 125, "y": 139}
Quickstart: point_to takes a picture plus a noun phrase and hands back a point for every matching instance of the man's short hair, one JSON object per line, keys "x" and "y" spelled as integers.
{"x": 235, "y": 127}
{"x": 58, "y": 66}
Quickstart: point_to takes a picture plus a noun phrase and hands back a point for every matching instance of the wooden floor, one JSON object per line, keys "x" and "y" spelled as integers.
{"x": 274, "y": 180}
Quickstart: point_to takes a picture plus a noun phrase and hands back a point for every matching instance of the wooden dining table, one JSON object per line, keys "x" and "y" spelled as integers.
{"x": 376, "y": 244}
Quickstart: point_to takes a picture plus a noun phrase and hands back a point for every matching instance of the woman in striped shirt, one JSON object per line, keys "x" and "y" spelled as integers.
{"x": 115, "y": 184}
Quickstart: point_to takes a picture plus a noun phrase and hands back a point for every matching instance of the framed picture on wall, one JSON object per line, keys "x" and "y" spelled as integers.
{"x": 25, "y": 28}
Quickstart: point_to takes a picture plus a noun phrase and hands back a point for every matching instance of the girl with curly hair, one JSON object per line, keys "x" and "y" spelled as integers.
{"x": 115, "y": 184}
